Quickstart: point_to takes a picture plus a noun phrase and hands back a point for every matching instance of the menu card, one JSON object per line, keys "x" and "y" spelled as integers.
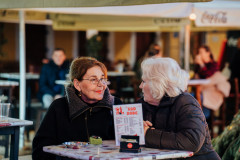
{"x": 128, "y": 120}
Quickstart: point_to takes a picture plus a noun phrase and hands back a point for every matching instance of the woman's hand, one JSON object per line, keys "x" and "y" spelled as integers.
{"x": 146, "y": 125}
{"x": 199, "y": 61}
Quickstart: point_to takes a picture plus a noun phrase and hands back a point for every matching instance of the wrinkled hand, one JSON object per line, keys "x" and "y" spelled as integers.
{"x": 146, "y": 125}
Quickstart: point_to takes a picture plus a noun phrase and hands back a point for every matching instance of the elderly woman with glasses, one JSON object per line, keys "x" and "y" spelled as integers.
{"x": 86, "y": 110}
{"x": 173, "y": 119}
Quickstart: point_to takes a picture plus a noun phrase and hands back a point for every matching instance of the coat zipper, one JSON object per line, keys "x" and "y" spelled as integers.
{"x": 86, "y": 126}
{"x": 91, "y": 111}
{"x": 90, "y": 115}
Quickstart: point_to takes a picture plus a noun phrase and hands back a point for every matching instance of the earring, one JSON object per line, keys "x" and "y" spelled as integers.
{"x": 80, "y": 93}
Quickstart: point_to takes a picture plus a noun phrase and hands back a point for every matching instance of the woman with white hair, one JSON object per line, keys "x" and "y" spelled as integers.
{"x": 173, "y": 119}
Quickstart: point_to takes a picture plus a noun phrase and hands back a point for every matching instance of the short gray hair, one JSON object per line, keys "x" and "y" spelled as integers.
{"x": 165, "y": 76}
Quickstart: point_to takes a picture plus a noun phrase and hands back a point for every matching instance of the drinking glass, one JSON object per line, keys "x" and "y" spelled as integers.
{"x": 4, "y": 111}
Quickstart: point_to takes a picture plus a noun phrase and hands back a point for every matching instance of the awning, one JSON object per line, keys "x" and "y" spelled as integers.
{"x": 170, "y": 10}
{"x": 4, "y": 4}
{"x": 140, "y": 18}
{"x": 116, "y": 23}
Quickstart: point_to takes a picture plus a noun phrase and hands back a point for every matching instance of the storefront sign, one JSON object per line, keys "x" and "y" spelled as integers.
{"x": 170, "y": 21}
{"x": 14, "y": 15}
{"x": 214, "y": 18}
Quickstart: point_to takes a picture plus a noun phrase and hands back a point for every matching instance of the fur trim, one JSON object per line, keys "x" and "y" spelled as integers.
{"x": 77, "y": 106}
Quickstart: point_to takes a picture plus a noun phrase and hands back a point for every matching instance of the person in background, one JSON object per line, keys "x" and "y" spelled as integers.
{"x": 173, "y": 119}
{"x": 154, "y": 51}
{"x": 205, "y": 64}
{"x": 86, "y": 110}
{"x": 55, "y": 69}
{"x": 205, "y": 67}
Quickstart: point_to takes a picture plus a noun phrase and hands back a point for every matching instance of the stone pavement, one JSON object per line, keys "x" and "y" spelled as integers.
{"x": 25, "y": 152}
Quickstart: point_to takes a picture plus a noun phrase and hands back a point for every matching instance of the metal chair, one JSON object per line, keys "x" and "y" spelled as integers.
{"x": 4, "y": 140}
{"x": 40, "y": 115}
{"x": 218, "y": 121}
{"x": 235, "y": 93}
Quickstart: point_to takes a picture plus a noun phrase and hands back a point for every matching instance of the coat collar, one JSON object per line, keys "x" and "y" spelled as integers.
{"x": 77, "y": 106}
{"x": 167, "y": 101}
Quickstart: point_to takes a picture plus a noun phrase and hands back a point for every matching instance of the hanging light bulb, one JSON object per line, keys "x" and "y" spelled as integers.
{"x": 192, "y": 16}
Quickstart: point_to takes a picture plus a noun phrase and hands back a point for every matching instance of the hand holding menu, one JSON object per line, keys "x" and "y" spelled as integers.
{"x": 128, "y": 120}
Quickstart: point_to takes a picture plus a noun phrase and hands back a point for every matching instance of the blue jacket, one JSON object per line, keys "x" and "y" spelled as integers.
{"x": 49, "y": 74}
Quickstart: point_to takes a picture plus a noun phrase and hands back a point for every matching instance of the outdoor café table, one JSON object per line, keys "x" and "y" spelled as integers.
{"x": 30, "y": 77}
{"x": 120, "y": 74}
{"x": 108, "y": 150}
{"x": 197, "y": 83}
{"x": 16, "y": 76}
{"x": 8, "y": 85}
{"x": 62, "y": 82}
{"x": 117, "y": 79}
{"x": 110, "y": 74}
{"x": 11, "y": 126}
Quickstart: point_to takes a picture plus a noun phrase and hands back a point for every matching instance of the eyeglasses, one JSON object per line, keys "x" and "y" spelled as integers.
{"x": 96, "y": 81}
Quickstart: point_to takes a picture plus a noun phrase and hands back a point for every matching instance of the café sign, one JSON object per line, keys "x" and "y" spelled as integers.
{"x": 170, "y": 21}
{"x": 217, "y": 17}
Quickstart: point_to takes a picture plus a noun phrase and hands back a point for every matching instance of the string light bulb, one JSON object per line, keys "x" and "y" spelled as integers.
{"x": 192, "y": 16}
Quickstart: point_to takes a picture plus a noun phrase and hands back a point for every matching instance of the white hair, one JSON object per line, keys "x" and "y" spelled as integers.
{"x": 165, "y": 76}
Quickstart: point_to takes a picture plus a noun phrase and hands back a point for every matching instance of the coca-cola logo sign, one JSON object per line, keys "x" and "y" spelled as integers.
{"x": 214, "y": 18}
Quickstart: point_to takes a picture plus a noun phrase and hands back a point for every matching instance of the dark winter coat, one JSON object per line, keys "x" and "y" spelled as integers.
{"x": 49, "y": 74}
{"x": 179, "y": 124}
{"x": 71, "y": 119}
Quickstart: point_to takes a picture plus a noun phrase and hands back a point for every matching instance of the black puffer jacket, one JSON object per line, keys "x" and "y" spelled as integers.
{"x": 71, "y": 119}
{"x": 179, "y": 124}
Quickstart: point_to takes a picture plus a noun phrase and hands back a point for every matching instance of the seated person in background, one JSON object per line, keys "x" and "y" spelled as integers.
{"x": 205, "y": 67}
{"x": 173, "y": 119}
{"x": 87, "y": 102}
{"x": 205, "y": 64}
{"x": 154, "y": 51}
{"x": 56, "y": 69}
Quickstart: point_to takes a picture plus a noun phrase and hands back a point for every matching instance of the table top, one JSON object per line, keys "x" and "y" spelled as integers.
{"x": 5, "y": 83}
{"x": 9, "y": 122}
{"x": 17, "y": 75}
{"x": 108, "y": 150}
{"x": 193, "y": 82}
{"x": 115, "y": 73}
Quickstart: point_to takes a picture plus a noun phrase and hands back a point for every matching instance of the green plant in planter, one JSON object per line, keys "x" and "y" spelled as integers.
{"x": 94, "y": 45}
{"x": 2, "y": 39}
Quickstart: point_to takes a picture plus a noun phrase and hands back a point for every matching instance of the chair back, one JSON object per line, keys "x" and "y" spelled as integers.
{"x": 235, "y": 92}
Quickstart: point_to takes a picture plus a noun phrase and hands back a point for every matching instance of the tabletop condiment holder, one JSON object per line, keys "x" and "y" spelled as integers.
{"x": 129, "y": 144}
